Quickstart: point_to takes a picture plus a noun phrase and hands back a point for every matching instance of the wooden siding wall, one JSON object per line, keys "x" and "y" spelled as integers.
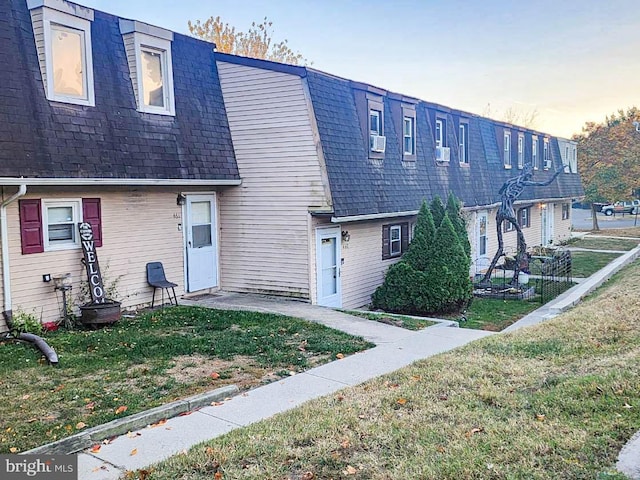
{"x": 37, "y": 19}
{"x": 264, "y": 222}
{"x": 130, "y": 48}
{"x": 138, "y": 226}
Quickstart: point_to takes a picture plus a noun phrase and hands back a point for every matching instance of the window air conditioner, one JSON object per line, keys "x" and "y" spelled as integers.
{"x": 443, "y": 154}
{"x": 378, "y": 143}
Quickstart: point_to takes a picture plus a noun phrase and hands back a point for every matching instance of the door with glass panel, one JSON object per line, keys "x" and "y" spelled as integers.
{"x": 328, "y": 267}
{"x": 201, "y": 240}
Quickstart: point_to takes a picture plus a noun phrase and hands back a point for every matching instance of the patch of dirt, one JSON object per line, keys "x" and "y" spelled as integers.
{"x": 240, "y": 371}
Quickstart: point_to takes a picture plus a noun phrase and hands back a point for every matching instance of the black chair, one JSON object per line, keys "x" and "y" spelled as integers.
{"x": 157, "y": 279}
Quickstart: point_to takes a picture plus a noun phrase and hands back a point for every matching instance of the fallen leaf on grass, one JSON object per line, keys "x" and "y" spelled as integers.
{"x": 133, "y": 452}
{"x": 90, "y": 405}
{"x": 217, "y": 476}
{"x": 215, "y": 375}
{"x": 80, "y": 425}
{"x": 58, "y": 388}
{"x": 626, "y": 405}
{"x": 440, "y": 449}
{"x": 307, "y": 476}
{"x": 26, "y": 397}
{"x": 31, "y": 420}
{"x": 96, "y": 448}
{"x": 345, "y": 443}
{"x": 401, "y": 401}
{"x": 121, "y": 409}
{"x": 540, "y": 417}
{"x": 472, "y": 431}
{"x": 340, "y": 356}
{"x": 350, "y": 470}
{"x": 13, "y": 449}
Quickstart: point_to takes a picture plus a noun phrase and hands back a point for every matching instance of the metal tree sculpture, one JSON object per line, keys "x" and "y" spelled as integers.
{"x": 510, "y": 191}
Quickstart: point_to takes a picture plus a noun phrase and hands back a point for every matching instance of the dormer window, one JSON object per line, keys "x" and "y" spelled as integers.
{"x": 521, "y": 150}
{"x": 546, "y": 154}
{"x": 534, "y": 152}
{"x": 62, "y": 32}
{"x": 507, "y": 149}
{"x": 408, "y": 132}
{"x": 149, "y": 56}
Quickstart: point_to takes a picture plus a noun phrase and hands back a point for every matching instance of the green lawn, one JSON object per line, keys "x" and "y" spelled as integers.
{"x": 146, "y": 361}
{"x": 585, "y": 264}
{"x": 554, "y": 401}
{"x": 603, "y": 243}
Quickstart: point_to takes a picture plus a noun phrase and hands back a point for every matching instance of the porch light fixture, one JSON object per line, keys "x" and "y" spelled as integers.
{"x": 181, "y": 200}
{"x": 345, "y": 236}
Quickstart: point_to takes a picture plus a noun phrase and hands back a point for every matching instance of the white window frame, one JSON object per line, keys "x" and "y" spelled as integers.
{"x": 76, "y": 206}
{"x": 463, "y": 150}
{"x": 411, "y": 136}
{"x": 439, "y": 134}
{"x": 374, "y": 112}
{"x": 534, "y": 153}
{"x": 520, "y": 150}
{"x": 153, "y": 44}
{"x": 507, "y": 150}
{"x": 73, "y": 23}
{"x": 546, "y": 165}
{"x": 392, "y": 252}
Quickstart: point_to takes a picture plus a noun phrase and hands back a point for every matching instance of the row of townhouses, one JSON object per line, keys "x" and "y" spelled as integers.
{"x": 237, "y": 174}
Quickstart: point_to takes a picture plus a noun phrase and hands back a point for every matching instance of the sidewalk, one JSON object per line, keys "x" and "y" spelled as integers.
{"x": 396, "y": 348}
{"x": 179, "y": 433}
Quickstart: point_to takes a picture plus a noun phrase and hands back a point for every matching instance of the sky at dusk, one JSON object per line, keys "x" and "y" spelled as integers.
{"x": 572, "y": 61}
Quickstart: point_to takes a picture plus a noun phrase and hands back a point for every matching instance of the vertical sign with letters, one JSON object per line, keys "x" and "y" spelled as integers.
{"x": 90, "y": 261}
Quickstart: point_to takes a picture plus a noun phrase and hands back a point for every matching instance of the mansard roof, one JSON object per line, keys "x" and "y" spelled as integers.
{"x": 112, "y": 140}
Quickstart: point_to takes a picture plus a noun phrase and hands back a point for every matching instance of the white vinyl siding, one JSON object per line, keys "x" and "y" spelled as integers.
{"x": 265, "y": 235}
{"x": 138, "y": 226}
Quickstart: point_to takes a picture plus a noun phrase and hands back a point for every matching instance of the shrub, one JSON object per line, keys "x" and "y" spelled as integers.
{"x": 454, "y": 209}
{"x": 23, "y": 322}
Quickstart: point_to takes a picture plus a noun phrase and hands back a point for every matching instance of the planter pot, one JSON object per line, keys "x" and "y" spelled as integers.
{"x": 96, "y": 315}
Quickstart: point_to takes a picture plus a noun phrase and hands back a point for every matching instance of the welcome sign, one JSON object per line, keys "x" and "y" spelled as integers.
{"x": 96, "y": 286}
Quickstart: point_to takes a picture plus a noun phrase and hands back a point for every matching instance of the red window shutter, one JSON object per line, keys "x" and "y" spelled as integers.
{"x": 92, "y": 214}
{"x": 31, "y": 226}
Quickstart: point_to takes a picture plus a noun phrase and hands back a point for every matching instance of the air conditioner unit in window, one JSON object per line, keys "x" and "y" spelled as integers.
{"x": 377, "y": 143}
{"x": 443, "y": 154}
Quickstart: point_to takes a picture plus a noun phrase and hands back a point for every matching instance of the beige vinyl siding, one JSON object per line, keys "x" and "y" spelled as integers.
{"x": 3, "y": 324}
{"x": 130, "y": 49}
{"x": 138, "y": 226}
{"x": 37, "y": 20}
{"x": 562, "y": 227}
{"x": 265, "y": 240}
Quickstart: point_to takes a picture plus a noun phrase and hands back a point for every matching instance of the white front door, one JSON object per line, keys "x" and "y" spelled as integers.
{"x": 201, "y": 242}
{"x": 328, "y": 267}
{"x": 547, "y": 223}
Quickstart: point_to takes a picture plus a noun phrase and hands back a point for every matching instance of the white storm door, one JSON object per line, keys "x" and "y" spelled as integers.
{"x": 482, "y": 222}
{"x": 328, "y": 267}
{"x": 547, "y": 223}
{"x": 201, "y": 242}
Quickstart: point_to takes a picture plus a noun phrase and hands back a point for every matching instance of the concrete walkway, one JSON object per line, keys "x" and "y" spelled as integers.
{"x": 395, "y": 348}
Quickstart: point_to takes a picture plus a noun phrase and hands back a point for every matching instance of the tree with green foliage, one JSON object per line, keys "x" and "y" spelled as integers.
{"x": 437, "y": 210}
{"x": 433, "y": 275}
{"x": 256, "y": 42}
{"x": 448, "y": 277}
{"x": 454, "y": 210}
{"x": 609, "y": 158}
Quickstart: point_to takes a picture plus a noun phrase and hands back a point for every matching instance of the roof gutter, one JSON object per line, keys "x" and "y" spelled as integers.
{"x": 4, "y": 238}
{"x": 117, "y": 181}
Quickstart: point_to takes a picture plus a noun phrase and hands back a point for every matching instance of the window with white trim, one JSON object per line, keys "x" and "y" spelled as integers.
{"x": 59, "y": 221}
{"x": 521, "y": 150}
{"x": 463, "y": 143}
{"x": 440, "y": 134}
{"x": 546, "y": 157}
{"x": 524, "y": 217}
{"x": 408, "y": 135}
{"x": 534, "y": 153}
{"x": 395, "y": 240}
{"x": 63, "y": 41}
{"x": 150, "y": 65}
{"x": 507, "y": 149}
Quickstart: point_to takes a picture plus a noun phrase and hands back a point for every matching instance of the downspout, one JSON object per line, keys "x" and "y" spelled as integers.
{"x": 4, "y": 240}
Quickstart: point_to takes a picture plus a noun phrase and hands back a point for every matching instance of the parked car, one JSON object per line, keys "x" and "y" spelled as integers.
{"x": 631, "y": 206}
